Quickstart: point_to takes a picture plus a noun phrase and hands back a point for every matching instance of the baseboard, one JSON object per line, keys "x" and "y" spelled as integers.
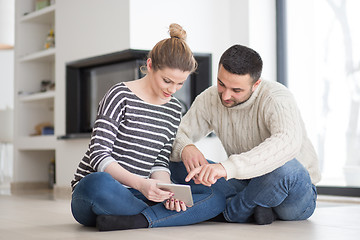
{"x": 61, "y": 192}
{"x": 19, "y": 187}
{"x": 338, "y": 191}
{"x": 338, "y": 199}
{"x": 58, "y": 192}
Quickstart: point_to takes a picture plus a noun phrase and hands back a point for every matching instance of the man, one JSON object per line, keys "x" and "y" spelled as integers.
{"x": 271, "y": 167}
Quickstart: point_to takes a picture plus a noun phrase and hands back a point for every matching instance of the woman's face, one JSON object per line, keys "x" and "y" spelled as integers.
{"x": 165, "y": 82}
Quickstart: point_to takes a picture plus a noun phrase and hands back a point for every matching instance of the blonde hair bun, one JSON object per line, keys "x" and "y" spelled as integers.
{"x": 173, "y": 52}
{"x": 176, "y": 31}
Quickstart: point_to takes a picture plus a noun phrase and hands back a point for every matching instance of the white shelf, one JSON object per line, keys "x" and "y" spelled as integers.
{"x": 33, "y": 64}
{"x": 38, "y": 96}
{"x": 45, "y": 15}
{"x": 47, "y": 55}
{"x": 44, "y": 142}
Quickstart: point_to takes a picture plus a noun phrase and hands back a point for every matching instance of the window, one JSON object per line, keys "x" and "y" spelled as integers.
{"x": 323, "y": 72}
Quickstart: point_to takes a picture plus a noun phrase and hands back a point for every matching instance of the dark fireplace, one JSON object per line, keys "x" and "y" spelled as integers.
{"x": 89, "y": 79}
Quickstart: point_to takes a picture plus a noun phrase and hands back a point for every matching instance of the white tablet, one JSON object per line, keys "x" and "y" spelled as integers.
{"x": 181, "y": 192}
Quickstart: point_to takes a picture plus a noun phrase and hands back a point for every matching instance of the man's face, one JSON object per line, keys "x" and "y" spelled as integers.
{"x": 234, "y": 89}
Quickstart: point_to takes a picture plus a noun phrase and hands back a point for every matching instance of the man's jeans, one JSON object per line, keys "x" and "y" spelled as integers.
{"x": 100, "y": 194}
{"x": 288, "y": 190}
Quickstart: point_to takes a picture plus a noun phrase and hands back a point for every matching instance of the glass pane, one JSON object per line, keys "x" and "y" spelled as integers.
{"x": 324, "y": 75}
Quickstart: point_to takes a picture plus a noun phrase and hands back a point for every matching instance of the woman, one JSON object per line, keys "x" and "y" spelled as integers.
{"x": 115, "y": 183}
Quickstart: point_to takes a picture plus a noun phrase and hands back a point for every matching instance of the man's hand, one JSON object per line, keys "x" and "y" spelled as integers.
{"x": 192, "y": 158}
{"x": 207, "y": 174}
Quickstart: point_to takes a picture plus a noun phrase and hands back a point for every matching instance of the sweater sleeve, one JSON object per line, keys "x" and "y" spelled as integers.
{"x": 162, "y": 161}
{"x": 101, "y": 143}
{"x": 282, "y": 119}
{"x": 105, "y": 128}
{"x": 194, "y": 125}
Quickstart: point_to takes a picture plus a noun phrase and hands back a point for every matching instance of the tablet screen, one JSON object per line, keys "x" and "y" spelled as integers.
{"x": 181, "y": 192}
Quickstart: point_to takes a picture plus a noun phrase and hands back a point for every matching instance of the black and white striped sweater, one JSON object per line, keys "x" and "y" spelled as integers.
{"x": 136, "y": 134}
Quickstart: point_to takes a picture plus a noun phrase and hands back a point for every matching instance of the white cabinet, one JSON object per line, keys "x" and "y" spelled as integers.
{"x": 34, "y": 148}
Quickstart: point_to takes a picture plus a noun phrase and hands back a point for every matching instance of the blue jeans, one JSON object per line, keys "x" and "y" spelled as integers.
{"x": 100, "y": 194}
{"x": 287, "y": 190}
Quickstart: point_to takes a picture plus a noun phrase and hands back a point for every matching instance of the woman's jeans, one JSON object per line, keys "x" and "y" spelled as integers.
{"x": 100, "y": 194}
{"x": 287, "y": 190}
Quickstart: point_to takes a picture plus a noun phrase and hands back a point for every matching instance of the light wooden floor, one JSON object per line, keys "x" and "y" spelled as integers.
{"x": 38, "y": 216}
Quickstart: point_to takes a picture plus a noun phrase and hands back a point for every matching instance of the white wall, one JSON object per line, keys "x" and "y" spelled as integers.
{"x": 84, "y": 28}
{"x": 6, "y": 102}
{"x": 90, "y": 27}
{"x": 207, "y": 23}
{"x": 262, "y": 34}
{"x": 6, "y": 79}
{"x": 212, "y": 25}
{"x": 6, "y": 87}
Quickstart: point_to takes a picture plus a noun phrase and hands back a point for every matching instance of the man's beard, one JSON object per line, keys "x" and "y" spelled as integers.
{"x": 235, "y": 103}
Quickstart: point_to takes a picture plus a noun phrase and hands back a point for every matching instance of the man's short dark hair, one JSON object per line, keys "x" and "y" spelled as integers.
{"x": 242, "y": 60}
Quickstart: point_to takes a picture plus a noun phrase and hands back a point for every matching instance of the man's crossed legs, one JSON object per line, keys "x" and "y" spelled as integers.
{"x": 285, "y": 193}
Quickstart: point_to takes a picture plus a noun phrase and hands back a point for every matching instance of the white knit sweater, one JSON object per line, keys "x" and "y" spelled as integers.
{"x": 258, "y": 136}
